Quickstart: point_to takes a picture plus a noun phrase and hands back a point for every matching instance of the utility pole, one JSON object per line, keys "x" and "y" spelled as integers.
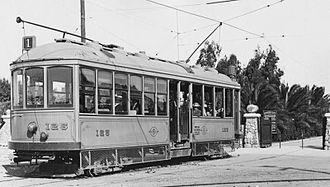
{"x": 82, "y": 20}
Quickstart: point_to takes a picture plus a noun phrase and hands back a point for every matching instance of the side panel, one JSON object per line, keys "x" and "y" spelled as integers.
{"x": 204, "y": 129}
{"x": 59, "y": 125}
{"x": 111, "y": 132}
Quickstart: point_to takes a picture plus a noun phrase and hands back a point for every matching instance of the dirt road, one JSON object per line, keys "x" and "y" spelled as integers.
{"x": 289, "y": 166}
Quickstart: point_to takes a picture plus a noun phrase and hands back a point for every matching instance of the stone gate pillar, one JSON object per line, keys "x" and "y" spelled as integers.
{"x": 327, "y": 132}
{"x": 251, "y": 135}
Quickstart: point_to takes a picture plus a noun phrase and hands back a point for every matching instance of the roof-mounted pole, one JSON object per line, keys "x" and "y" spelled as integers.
{"x": 203, "y": 42}
{"x": 82, "y": 20}
{"x": 20, "y": 20}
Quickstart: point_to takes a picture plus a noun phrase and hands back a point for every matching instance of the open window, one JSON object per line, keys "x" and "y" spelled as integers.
{"x": 161, "y": 97}
{"x": 219, "y": 109}
{"x": 149, "y": 96}
{"x": 197, "y": 100}
{"x": 121, "y": 93}
{"x": 208, "y": 101}
{"x": 104, "y": 81}
{"x": 229, "y": 102}
{"x": 136, "y": 94}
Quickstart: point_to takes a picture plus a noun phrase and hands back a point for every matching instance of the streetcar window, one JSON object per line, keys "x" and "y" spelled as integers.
{"x": 18, "y": 88}
{"x": 229, "y": 102}
{"x": 219, "y": 102}
{"x": 60, "y": 86}
{"x": 149, "y": 96}
{"x": 34, "y": 78}
{"x": 161, "y": 97}
{"x": 121, "y": 93}
{"x": 87, "y": 90}
{"x": 136, "y": 94}
{"x": 197, "y": 100}
{"x": 104, "y": 79}
{"x": 208, "y": 101}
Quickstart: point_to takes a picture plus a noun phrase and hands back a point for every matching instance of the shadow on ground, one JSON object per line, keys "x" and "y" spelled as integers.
{"x": 313, "y": 147}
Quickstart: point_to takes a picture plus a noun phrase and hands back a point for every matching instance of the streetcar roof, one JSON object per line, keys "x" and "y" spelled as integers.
{"x": 65, "y": 50}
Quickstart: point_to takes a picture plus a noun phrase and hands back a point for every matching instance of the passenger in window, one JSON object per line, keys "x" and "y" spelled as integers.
{"x": 137, "y": 107}
{"x": 196, "y": 111}
{"x": 220, "y": 112}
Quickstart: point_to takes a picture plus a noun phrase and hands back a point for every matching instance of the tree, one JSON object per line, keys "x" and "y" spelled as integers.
{"x": 4, "y": 95}
{"x": 208, "y": 55}
{"x": 224, "y": 63}
{"x": 269, "y": 69}
{"x": 301, "y": 110}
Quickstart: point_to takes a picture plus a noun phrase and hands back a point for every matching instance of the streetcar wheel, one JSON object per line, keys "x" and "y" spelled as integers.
{"x": 88, "y": 172}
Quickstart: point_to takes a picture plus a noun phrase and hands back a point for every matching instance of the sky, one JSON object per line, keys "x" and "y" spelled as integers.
{"x": 298, "y": 30}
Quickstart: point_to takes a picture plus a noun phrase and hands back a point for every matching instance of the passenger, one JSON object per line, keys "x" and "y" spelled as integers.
{"x": 197, "y": 111}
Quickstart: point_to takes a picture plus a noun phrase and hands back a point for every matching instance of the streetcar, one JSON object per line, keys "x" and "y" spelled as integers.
{"x": 98, "y": 107}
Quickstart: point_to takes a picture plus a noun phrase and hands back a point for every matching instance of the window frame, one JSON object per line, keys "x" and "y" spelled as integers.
{"x": 133, "y": 110}
{"x": 125, "y": 111}
{"x": 82, "y": 89}
{"x": 162, "y": 93}
{"x": 109, "y": 88}
{"x": 231, "y": 103}
{"x": 146, "y": 92}
{"x": 48, "y": 80}
{"x": 27, "y": 87}
{"x": 18, "y": 89}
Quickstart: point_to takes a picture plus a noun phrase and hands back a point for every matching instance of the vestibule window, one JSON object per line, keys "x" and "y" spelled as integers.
{"x": 161, "y": 97}
{"x": 87, "y": 90}
{"x": 121, "y": 91}
{"x": 149, "y": 96}
{"x": 34, "y": 78}
{"x": 104, "y": 80}
{"x": 18, "y": 88}
{"x": 59, "y": 86}
{"x": 136, "y": 94}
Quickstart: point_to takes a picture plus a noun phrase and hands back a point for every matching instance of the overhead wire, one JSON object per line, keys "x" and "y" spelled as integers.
{"x": 217, "y": 2}
{"x": 204, "y": 17}
{"x": 253, "y": 11}
{"x": 230, "y": 19}
{"x": 148, "y": 23}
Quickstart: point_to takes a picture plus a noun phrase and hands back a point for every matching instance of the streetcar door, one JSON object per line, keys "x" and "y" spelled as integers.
{"x": 184, "y": 111}
{"x": 179, "y": 111}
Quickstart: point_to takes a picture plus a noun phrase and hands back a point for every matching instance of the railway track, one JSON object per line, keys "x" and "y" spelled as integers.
{"x": 259, "y": 182}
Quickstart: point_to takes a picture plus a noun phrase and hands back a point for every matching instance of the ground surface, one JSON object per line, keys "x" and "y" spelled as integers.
{"x": 289, "y": 165}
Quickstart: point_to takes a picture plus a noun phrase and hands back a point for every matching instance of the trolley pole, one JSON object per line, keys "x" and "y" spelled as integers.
{"x": 82, "y": 20}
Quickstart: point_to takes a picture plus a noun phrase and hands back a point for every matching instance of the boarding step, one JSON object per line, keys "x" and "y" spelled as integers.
{"x": 180, "y": 152}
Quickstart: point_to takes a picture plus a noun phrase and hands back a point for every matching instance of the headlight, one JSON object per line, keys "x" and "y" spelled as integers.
{"x": 31, "y": 129}
{"x": 43, "y": 136}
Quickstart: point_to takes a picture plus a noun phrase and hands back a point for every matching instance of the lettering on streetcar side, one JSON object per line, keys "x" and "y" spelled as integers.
{"x": 102, "y": 132}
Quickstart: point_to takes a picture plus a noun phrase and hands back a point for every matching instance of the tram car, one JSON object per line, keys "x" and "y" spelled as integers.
{"x": 97, "y": 107}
